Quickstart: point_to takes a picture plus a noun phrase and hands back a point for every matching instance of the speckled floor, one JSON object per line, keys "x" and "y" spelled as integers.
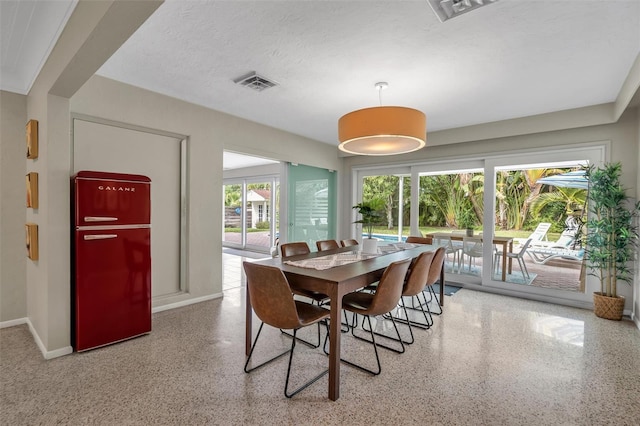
{"x": 489, "y": 360}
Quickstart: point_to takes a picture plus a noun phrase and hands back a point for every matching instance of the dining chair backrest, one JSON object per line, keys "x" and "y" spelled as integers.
{"x": 524, "y": 247}
{"x": 323, "y": 245}
{"x": 389, "y": 289}
{"x": 417, "y": 276}
{"x": 419, "y": 240}
{"x": 437, "y": 263}
{"x": 348, "y": 243}
{"x": 271, "y": 296}
{"x": 444, "y": 241}
{"x": 472, "y": 246}
{"x": 293, "y": 249}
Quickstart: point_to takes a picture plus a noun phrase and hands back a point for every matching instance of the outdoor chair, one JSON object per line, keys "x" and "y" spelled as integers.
{"x": 542, "y": 255}
{"x": 323, "y": 245}
{"x": 348, "y": 243}
{"x": 274, "y": 305}
{"x": 565, "y": 241}
{"x": 383, "y": 301}
{"x": 539, "y": 234}
{"x": 519, "y": 256}
{"x": 472, "y": 248}
{"x": 450, "y": 249}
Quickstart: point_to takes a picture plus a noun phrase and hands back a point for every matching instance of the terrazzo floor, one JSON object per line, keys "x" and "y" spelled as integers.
{"x": 489, "y": 360}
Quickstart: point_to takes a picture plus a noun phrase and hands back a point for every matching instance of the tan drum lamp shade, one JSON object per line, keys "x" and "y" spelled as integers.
{"x": 383, "y": 130}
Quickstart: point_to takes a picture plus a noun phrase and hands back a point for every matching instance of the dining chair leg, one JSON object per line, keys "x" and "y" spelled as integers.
{"x": 353, "y": 364}
{"x": 306, "y": 384}
{"x": 433, "y": 296}
{"x": 523, "y": 268}
{"x": 311, "y": 345}
{"x": 399, "y": 339}
{"x": 406, "y": 321}
{"x": 425, "y": 326}
{"x": 246, "y": 364}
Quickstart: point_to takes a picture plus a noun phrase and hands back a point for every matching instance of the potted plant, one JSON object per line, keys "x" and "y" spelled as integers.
{"x": 369, "y": 216}
{"x": 612, "y": 237}
{"x": 466, "y": 219}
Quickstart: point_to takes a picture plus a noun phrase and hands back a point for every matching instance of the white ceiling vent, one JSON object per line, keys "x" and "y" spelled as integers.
{"x": 447, "y": 9}
{"x": 255, "y": 82}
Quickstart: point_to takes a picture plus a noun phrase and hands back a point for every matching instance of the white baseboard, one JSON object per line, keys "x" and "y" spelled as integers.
{"x": 186, "y": 302}
{"x": 68, "y": 349}
{"x": 14, "y": 322}
{"x": 45, "y": 353}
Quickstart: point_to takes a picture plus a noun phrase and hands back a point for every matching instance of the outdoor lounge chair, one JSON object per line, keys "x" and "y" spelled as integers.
{"x": 566, "y": 240}
{"x": 540, "y": 234}
{"x": 542, "y": 255}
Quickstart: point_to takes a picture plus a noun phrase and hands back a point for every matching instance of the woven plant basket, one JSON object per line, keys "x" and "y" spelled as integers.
{"x": 606, "y": 307}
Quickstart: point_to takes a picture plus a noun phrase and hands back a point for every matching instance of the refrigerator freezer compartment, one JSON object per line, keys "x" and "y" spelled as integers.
{"x": 111, "y": 199}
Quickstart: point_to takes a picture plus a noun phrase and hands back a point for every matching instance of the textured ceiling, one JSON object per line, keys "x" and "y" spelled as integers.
{"x": 507, "y": 60}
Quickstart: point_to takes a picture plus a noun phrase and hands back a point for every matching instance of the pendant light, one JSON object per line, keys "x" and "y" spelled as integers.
{"x": 382, "y": 130}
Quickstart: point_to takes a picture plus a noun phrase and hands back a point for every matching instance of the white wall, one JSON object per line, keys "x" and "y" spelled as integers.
{"x": 209, "y": 133}
{"x": 13, "y": 293}
{"x": 636, "y": 306}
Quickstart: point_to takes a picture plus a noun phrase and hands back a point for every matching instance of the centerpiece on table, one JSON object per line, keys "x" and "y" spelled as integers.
{"x": 369, "y": 216}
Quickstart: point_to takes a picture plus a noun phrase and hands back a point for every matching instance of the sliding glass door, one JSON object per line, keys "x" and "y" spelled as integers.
{"x": 250, "y": 213}
{"x": 312, "y": 204}
{"x": 527, "y": 224}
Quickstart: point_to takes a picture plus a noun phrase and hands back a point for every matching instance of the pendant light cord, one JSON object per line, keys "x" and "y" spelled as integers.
{"x": 381, "y": 86}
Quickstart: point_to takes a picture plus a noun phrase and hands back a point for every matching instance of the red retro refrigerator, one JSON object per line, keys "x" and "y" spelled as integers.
{"x": 111, "y": 258}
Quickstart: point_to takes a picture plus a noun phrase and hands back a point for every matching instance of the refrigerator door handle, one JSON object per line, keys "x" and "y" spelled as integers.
{"x": 100, "y": 237}
{"x": 99, "y": 219}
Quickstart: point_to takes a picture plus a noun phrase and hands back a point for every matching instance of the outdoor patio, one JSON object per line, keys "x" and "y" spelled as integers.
{"x": 556, "y": 274}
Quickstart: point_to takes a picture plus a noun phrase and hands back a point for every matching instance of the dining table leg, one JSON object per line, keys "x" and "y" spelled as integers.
{"x": 334, "y": 343}
{"x": 504, "y": 261}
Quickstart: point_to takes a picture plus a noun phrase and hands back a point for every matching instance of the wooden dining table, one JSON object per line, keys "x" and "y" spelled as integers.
{"x": 335, "y": 282}
{"x": 505, "y": 242}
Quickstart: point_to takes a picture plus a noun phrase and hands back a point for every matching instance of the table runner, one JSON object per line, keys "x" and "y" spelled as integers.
{"x": 332, "y": 260}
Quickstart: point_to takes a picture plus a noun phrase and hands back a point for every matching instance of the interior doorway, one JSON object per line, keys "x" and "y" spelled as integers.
{"x": 251, "y": 198}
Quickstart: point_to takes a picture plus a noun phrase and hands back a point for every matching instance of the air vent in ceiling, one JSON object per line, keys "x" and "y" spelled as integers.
{"x": 255, "y": 82}
{"x": 447, "y": 9}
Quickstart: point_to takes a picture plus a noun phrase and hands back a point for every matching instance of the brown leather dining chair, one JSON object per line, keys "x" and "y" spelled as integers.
{"x": 273, "y": 303}
{"x": 419, "y": 240}
{"x": 383, "y": 301}
{"x": 348, "y": 243}
{"x": 434, "y": 276}
{"x": 298, "y": 248}
{"x": 323, "y": 245}
{"x": 413, "y": 287}
{"x": 293, "y": 249}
